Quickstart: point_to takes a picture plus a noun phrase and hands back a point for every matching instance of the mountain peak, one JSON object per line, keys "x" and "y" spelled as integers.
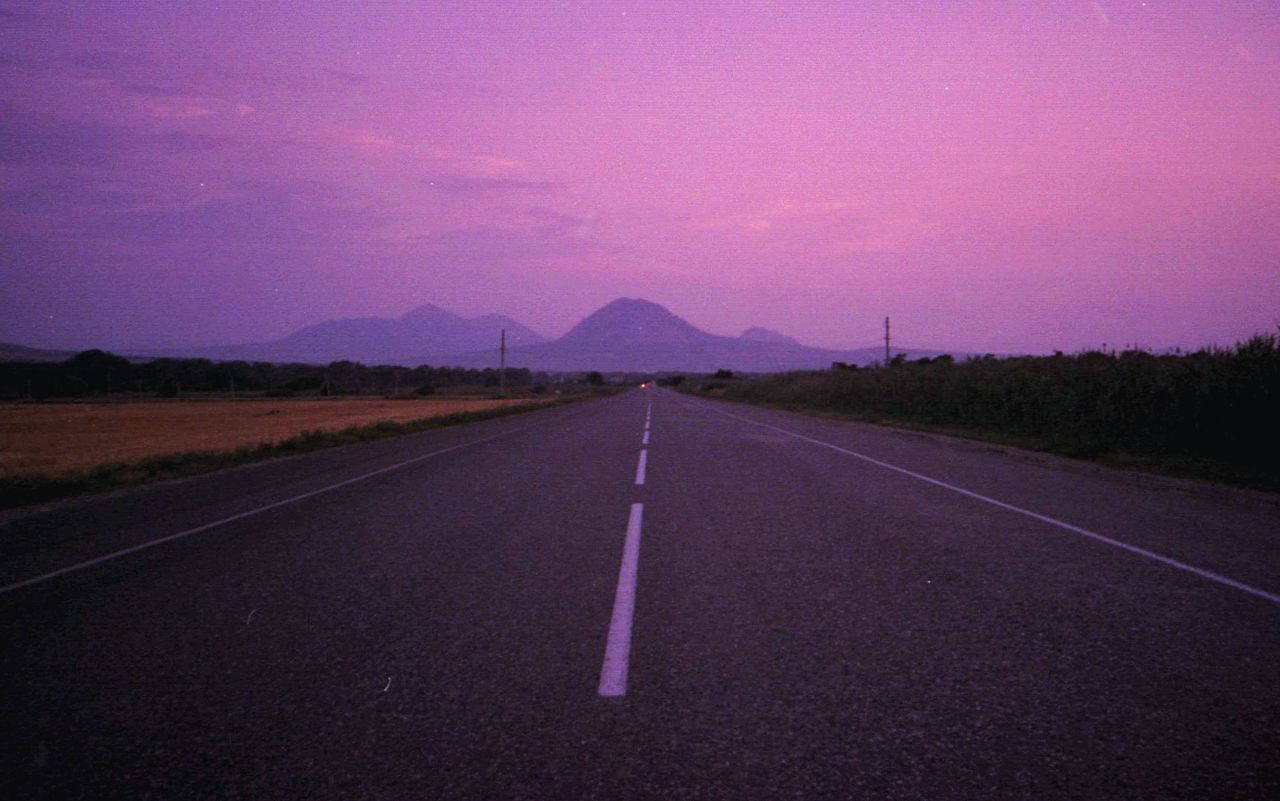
{"x": 758, "y": 334}
{"x": 633, "y": 321}
{"x": 633, "y": 307}
{"x": 630, "y": 302}
{"x": 428, "y": 313}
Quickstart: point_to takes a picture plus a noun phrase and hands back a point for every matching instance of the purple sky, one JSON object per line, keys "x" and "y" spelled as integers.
{"x": 1011, "y": 177}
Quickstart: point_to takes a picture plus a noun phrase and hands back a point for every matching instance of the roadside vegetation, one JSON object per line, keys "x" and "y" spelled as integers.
{"x": 1211, "y": 414}
{"x": 99, "y": 421}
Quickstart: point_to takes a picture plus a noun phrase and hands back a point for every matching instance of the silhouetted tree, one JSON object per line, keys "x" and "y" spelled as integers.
{"x": 97, "y": 371}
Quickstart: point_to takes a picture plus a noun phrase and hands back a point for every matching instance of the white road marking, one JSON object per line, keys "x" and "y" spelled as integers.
{"x": 645, "y": 441}
{"x": 1207, "y": 574}
{"x": 188, "y": 532}
{"x": 644, "y": 458}
{"x": 617, "y": 649}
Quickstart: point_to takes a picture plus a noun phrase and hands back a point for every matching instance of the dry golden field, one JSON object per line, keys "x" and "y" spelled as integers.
{"x": 50, "y": 439}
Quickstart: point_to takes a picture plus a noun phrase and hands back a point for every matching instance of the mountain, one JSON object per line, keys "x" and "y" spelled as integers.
{"x": 636, "y": 335}
{"x": 627, "y": 323}
{"x": 10, "y": 352}
{"x": 629, "y": 335}
{"x": 425, "y": 335}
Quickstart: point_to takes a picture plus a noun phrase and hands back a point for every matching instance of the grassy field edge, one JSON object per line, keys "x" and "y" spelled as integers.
{"x": 18, "y": 491}
{"x": 1198, "y": 468}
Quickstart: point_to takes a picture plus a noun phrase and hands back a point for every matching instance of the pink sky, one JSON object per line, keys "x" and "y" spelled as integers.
{"x": 1010, "y": 177}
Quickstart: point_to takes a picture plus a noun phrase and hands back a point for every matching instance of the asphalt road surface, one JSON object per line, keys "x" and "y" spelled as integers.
{"x": 647, "y": 596}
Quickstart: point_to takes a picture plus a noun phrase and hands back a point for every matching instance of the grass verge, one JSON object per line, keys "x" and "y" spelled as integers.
{"x": 25, "y": 490}
{"x": 1178, "y": 466}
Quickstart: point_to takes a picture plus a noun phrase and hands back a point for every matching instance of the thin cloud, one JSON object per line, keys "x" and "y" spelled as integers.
{"x": 567, "y": 222}
{"x": 280, "y": 218}
{"x": 472, "y": 162}
{"x": 182, "y": 142}
{"x": 1100, "y": 14}
{"x": 455, "y": 184}
{"x": 347, "y": 79}
{"x": 179, "y": 109}
{"x": 28, "y": 137}
{"x": 104, "y": 61}
{"x": 491, "y": 244}
{"x": 374, "y": 140}
{"x": 156, "y": 90}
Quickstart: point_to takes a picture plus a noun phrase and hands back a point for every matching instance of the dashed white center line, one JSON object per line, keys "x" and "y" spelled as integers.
{"x": 617, "y": 650}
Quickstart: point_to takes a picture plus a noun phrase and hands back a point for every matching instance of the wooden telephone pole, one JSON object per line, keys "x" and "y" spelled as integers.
{"x": 886, "y": 342}
{"x": 502, "y": 365}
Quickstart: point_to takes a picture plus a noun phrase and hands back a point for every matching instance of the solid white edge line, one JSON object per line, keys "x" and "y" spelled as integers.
{"x": 617, "y": 649}
{"x": 169, "y": 538}
{"x": 644, "y": 459}
{"x": 1201, "y": 572}
{"x": 645, "y": 440}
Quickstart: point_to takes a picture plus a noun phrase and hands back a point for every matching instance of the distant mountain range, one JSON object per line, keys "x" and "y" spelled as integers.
{"x": 629, "y": 335}
{"x": 425, "y": 335}
{"x": 635, "y": 335}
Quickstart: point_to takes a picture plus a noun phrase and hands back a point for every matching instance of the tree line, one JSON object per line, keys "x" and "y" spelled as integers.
{"x": 96, "y": 373}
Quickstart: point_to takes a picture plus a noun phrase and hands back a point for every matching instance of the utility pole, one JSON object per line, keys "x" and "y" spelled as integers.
{"x": 886, "y": 342}
{"x": 502, "y": 365}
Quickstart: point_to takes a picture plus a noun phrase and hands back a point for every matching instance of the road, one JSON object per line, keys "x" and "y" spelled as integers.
{"x": 768, "y": 605}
